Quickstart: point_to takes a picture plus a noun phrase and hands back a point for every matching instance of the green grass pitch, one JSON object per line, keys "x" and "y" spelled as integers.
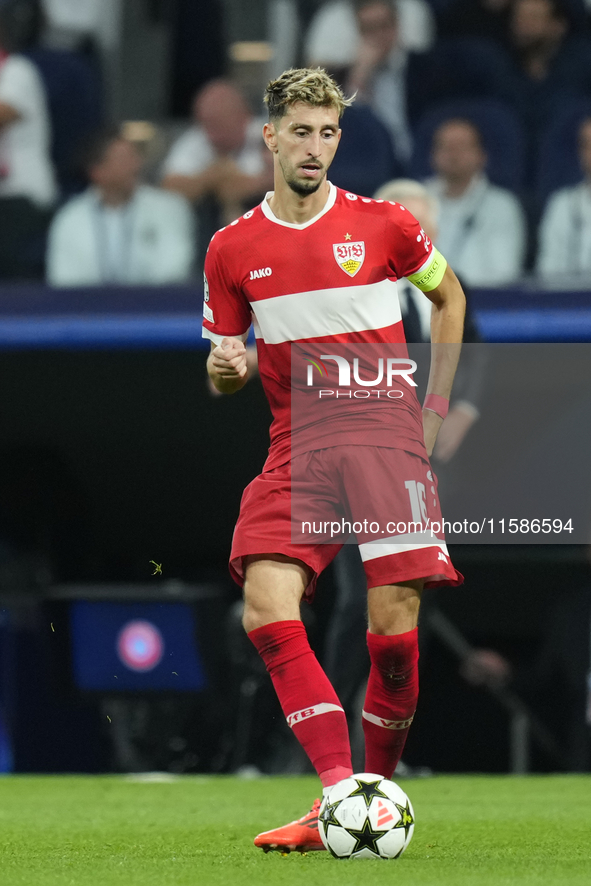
{"x": 109, "y": 831}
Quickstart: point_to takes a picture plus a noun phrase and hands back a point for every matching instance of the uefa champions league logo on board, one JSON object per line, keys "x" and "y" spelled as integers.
{"x": 140, "y": 645}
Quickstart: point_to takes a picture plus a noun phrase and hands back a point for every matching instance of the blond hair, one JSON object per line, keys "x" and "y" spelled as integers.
{"x": 313, "y": 86}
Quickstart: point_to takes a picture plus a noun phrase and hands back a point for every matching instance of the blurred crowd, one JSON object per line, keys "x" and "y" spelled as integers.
{"x": 486, "y": 102}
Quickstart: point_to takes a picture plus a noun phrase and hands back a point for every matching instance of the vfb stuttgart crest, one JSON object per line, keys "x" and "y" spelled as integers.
{"x": 349, "y": 256}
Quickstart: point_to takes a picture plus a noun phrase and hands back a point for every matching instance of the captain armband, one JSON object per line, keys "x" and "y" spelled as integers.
{"x": 431, "y": 274}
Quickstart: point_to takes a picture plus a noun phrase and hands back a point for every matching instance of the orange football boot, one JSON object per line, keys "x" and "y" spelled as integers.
{"x": 297, "y": 836}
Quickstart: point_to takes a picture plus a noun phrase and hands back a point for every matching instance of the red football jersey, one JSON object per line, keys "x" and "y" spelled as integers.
{"x": 331, "y": 279}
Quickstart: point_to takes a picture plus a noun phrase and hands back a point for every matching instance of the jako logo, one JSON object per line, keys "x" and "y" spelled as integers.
{"x": 395, "y": 366}
{"x": 263, "y": 272}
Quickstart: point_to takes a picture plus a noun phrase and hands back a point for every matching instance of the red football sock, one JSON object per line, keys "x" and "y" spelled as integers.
{"x": 307, "y": 698}
{"x": 391, "y": 699}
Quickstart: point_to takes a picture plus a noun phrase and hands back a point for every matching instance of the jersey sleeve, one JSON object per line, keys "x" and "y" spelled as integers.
{"x": 226, "y": 311}
{"x": 412, "y": 254}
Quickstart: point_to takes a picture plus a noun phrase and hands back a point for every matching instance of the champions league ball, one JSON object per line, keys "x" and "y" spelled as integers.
{"x": 366, "y": 816}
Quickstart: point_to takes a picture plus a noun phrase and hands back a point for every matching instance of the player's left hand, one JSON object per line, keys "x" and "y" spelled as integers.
{"x": 431, "y": 424}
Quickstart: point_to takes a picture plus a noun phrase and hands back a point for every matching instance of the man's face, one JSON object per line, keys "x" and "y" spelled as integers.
{"x": 457, "y": 154}
{"x": 585, "y": 147}
{"x": 304, "y": 141}
{"x": 120, "y": 167}
{"x": 377, "y": 25}
{"x": 533, "y": 24}
{"x": 223, "y": 114}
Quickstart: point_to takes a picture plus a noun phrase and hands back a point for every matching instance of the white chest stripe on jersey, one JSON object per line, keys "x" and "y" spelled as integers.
{"x": 308, "y": 315}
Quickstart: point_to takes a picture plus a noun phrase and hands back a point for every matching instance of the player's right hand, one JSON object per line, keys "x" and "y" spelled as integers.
{"x": 229, "y": 358}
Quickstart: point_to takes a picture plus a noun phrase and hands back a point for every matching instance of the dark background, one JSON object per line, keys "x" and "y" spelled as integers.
{"x": 111, "y": 459}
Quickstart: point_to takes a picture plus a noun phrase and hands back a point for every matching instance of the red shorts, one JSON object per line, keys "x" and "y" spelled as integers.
{"x": 307, "y": 509}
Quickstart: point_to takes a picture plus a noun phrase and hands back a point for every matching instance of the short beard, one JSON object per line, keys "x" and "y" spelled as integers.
{"x": 303, "y": 190}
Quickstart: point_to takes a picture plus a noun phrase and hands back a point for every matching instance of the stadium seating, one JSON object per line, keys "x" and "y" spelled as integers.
{"x": 456, "y": 67}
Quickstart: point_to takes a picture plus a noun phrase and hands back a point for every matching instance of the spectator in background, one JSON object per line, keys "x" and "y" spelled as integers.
{"x": 565, "y": 231}
{"x": 549, "y": 60}
{"x": 332, "y": 39}
{"x": 379, "y": 72}
{"x": 120, "y": 231}
{"x": 482, "y": 228}
{"x": 540, "y": 33}
{"x": 27, "y": 182}
{"x": 220, "y": 163}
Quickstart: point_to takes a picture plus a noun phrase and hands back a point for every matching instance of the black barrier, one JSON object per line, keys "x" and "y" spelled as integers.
{"x": 33, "y": 316}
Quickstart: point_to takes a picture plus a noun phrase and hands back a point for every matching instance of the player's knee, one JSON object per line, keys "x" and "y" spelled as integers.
{"x": 262, "y": 609}
{"x": 399, "y": 623}
{"x": 252, "y": 617}
{"x": 273, "y": 588}
{"x": 394, "y": 609}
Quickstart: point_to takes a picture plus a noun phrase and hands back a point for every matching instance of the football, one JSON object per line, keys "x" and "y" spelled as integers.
{"x": 366, "y": 816}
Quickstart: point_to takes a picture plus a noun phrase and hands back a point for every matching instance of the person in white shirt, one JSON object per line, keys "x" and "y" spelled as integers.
{"x": 25, "y": 165}
{"x": 565, "y": 230}
{"x": 332, "y": 38}
{"x": 222, "y": 154}
{"x": 482, "y": 228}
{"x": 120, "y": 231}
{"x": 378, "y": 74}
{"x": 27, "y": 182}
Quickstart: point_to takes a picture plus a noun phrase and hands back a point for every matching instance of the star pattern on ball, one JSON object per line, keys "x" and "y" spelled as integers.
{"x": 368, "y": 790}
{"x": 327, "y": 815}
{"x": 366, "y": 838}
{"x": 406, "y": 818}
